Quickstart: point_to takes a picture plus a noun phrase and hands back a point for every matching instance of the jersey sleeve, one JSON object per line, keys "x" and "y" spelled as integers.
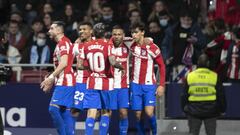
{"x": 153, "y": 50}
{"x": 64, "y": 48}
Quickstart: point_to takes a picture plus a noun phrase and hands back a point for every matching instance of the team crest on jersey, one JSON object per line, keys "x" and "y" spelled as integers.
{"x": 143, "y": 52}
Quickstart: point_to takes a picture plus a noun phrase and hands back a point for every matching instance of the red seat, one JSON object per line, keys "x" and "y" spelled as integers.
{"x": 33, "y": 76}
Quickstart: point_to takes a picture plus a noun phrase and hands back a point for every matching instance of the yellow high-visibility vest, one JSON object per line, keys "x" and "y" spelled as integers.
{"x": 202, "y": 84}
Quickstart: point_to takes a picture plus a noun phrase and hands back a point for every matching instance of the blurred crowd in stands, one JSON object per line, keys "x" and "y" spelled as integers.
{"x": 182, "y": 29}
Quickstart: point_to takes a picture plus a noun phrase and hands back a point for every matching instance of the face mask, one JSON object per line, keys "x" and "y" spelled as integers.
{"x": 185, "y": 26}
{"x": 163, "y": 22}
{"x": 41, "y": 42}
{"x": 107, "y": 17}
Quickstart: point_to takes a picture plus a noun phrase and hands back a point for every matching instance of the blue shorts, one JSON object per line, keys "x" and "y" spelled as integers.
{"x": 119, "y": 98}
{"x": 142, "y": 95}
{"x": 79, "y": 95}
{"x": 96, "y": 99}
{"x": 63, "y": 96}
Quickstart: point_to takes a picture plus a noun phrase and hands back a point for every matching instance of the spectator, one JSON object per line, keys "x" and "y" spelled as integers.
{"x": 165, "y": 19}
{"x": 4, "y": 45}
{"x": 233, "y": 58}
{"x": 47, "y": 20}
{"x": 156, "y": 33}
{"x": 217, "y": 48}
{"x": 15, "y": 37}
{"x": 37, "y": 26}
{"x": 47, "y": 8}
{"x": 8, "y": 54}
{"x": 184, "y": 42}
{"x": 134, "y": 17}
{"x": 94, "y": 11}
{"x": 133, "y": 5}
{"x": 107, "y": 16}
{"x": 70, "y": 19}
{"x": 158, "y": 7}
{"x": 30, "y": 13}
{"x": 17, "y": 16}
{"x": 38, "y": 52}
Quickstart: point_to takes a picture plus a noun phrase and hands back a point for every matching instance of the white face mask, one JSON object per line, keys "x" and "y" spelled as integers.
{"x": 185, "y": 26}
{"x": 41, "y": 42}
{"x": 163, "y": 22}
{"x": 107, "y": 17}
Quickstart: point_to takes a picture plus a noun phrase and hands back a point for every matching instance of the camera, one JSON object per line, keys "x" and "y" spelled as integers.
{"x": 5, "y": 74}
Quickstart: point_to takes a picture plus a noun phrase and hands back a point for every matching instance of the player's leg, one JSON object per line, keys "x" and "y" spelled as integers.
{"x": 149, "y": 110}
{"x": 104, "y": 122}
{"x": 150, "y": 103}
{"x": 108, "y": 101}
{"x": 58, "y": 122}
{"x": 67, "y": 102}
{"x": 92, "y": 103}
{"x": 69, "y": 121}
{"x": 123, "y": 105}
{"x": 78, "y": 101}
{"x": 137, "y": 105}
{"x": 58, "y": 101}
{"x": 90, "y": 121}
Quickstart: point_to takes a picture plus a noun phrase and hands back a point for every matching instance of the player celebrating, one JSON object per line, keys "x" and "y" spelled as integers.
{"x": 85, "y": 35}
{"x": 120, "y": 94}
{"x": 100, "y": 58}
{"x": 62, "y": 98}
{"x": 143, "y": 86}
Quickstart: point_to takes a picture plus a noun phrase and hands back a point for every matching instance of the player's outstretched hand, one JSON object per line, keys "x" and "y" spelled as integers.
{"x": 160, "y": 91}
{"x": 47, "y": 84}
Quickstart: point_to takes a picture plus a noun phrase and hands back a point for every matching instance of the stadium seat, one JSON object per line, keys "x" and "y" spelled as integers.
{"x": 33, "y": 76}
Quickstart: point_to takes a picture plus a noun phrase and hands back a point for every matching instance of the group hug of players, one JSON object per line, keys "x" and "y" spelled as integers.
{"x": 102, "y": 82}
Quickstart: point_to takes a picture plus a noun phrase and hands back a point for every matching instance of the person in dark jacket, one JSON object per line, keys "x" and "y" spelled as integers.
{"x": 203, "y": 99}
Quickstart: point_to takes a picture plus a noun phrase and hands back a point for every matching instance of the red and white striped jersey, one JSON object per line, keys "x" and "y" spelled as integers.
{"x": 233, "y": 69}
{"x": 96, "y": 52}
{"x": 143, "y": 58}
{"x": 66, "y": 77}
{"x": 122, "y": 55}
{"x": 82, "y": 75}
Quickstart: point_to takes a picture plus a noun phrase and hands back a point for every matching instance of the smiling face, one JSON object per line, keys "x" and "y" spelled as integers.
{"x": 85, "y": 32}
{"x": 117, "y": 36}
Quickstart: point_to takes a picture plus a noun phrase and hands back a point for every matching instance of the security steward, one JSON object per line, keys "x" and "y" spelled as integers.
{"x": 203, "y": 99}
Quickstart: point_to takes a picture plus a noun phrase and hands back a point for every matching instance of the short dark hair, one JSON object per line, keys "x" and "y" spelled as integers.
{"x": 36, "y": 20}
{"x": 140, "y": 26}
{"x": 99, "y": 30}
{"x": 13, "y": 22}
{"x": 186, "y": 13}
{"x": 117, "y": 27}
{"x": 134, "y": 10}
{"x": 86, "y": 23}
{"x": 60, "y": 24}
{"x": 106, "y": 5}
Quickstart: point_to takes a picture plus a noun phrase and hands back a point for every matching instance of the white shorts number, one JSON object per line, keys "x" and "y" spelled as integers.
{"x": 78, "y": 95}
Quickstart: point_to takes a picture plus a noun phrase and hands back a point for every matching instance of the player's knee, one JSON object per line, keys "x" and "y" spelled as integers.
{"x": 138, "y": 115}
{"x": 123, "y": 114}
{"x": 53, "y": 110}
{"x": 149, "y": 114}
